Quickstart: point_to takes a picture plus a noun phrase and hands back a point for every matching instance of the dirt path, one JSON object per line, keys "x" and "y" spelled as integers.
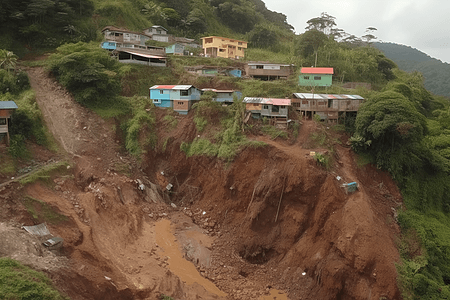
{"x": 79, "y": 131}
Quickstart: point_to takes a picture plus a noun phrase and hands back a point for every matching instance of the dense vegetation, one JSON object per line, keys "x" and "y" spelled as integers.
{"x": 401, "y": 128}
{"x": 436, "y": 73}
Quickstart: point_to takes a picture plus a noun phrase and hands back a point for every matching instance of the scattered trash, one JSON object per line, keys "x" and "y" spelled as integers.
{"x": 173, "y": 205}
{"x": 162, "y": 173}
{"x": 350, "y": 187}
{"x": 304, "y": 273}
{"x": 169, "y": 187}
{"x": 338, "y": 178}
{"x": 141, "y": 186}
{"x": 38, "y": 230}
{"x": 204, "y": 213}
{"x": 107, "y": 278}
{"x": 54, "y": 241}
{"x": 312, "y": 153}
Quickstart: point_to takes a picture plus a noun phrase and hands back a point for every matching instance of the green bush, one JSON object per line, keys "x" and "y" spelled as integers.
{"x": 87, "y": 71}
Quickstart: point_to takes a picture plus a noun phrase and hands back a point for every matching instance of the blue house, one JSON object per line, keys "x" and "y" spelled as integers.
{"x": 224, "y": 96}
{"x": 179, "y": 97}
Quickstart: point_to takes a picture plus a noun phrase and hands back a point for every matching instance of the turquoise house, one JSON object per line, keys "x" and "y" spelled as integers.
{"x": 315, "y": 77}
{"x": 179, "y": 97}
{"x": 176, "y": 49}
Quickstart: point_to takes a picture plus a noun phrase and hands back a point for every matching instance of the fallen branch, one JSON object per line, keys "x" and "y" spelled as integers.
{"x": 251, "y": 200}
{"x": 279, "y": 203}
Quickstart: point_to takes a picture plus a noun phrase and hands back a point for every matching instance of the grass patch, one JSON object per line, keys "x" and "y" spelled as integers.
{"x": 20, "y": 282}
{"x": 363, "y": 159}
{"x": 7, "y": 164}
{"x": 42, "y": 212}
{"x": 274, "y": 132}
{"x": 324, "y": 160}
{"x": 172, "y": 122}
{"x": 122, "y": 168}
{"x": 44, "y": 174}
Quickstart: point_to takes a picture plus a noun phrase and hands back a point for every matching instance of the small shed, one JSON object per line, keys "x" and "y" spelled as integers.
{"x": 224, "y": 96}
{"x": 6, "y": 110}
{"x": 315, "y": 77}
{"x": 175, "y": 49}
{"x": 267, "y": 107}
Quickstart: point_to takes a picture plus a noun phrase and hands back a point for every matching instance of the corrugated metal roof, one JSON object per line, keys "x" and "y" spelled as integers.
{"x": 39, "y": 230}
{"x": 171, "y": 87}
{"x": 267, "y": 64}
{"x": 142, "y": 54}
{"x": 326, "y": 96}
{"x": 8, "y": 105}
{"x": 218, "y": 91}
{"x": 273, "y": 101}
{"x": 317, "y": 71}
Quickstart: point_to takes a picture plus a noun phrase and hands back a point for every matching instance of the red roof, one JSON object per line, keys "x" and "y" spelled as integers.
{"x": 317, "y": 71}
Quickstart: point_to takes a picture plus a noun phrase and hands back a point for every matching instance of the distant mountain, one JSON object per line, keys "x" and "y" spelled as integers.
{"x": 436, "y": 72}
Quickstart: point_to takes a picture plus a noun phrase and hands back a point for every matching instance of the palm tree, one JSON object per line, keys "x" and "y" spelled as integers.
{"x": 8, "y": 60}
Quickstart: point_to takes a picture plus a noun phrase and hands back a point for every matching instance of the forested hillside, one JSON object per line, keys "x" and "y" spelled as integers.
{"x": 435, "y": 72}
{"x": 401, "y": 128}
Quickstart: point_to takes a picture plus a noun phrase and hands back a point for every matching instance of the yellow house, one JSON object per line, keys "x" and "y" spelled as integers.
{"x": 216, "y": 46}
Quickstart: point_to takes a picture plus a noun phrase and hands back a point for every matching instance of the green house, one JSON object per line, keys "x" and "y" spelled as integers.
{"x": 315, "y": 77}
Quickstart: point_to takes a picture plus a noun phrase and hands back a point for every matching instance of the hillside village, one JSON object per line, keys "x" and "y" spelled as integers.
{"x": 207, "y": 151}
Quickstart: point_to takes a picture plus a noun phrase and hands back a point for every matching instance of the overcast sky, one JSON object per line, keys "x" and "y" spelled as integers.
{"x": 421, "y": 24}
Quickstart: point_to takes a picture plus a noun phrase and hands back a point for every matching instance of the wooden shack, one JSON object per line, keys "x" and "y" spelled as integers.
{"x": 330, "y": 107}
{"x": 268, "y": 71}
{"x": 273, "y": 108}
{"x": 6, "y": 110}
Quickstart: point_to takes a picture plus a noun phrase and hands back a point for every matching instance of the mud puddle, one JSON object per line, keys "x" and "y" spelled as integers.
{"x": 184, "y": 269}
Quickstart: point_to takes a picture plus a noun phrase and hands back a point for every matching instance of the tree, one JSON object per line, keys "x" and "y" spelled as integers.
{"x": 8, "y": 60}
{"x": 263, "y": 36}
{"x": 238, "y": 15}
{"x": 369, "y": 34}
{"x": 395, "y": 130}
{"x": 324, "y": 23}
{"x": 309, "y": 42}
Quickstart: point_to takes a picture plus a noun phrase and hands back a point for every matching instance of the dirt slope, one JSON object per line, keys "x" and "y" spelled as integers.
{"x": 271, "y": 219}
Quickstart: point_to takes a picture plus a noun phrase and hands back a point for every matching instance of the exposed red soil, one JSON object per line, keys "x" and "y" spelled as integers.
{"x": 272, "y": 218}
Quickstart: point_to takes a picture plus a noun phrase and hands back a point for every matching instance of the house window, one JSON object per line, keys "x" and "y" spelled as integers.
{"x": 282, "y": 107}
{"x": 306, "y": 77}
{"x": 317, "y": 77}
{"x": 161, "y": 91}
{"x": 239, "y": 43}
{"x": 2, "y": 121}
{"x": 330, "y": 102}
{"x": 275, "y": 109}
{"x": 239, "y": 48}
{"x": 221, "y": 50}
{"x": 208, "y": 40}
{"x": 156, "y": 101}
{"x": 180, "y": 103}
{"x": 265, "y": 106}
{"x": 184, "y": 93}
{"x": 260, "y": 67}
